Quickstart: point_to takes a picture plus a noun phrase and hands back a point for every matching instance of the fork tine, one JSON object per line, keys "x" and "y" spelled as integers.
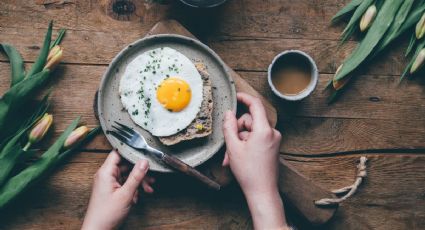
{"x": 119, "y": 136}
{"x": 122, "y": 132}
{"x": 126, "y": 128}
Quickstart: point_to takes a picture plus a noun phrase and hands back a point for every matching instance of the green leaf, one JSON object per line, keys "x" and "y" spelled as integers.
{"x": 355, "y": 19}
{"x": 30, "y": 175}
{"x": 42, "y": 57}
{"x": 399, "y": 20}
{"x": 411, "y": 45}
{"x": 421, "y": 45}
{"x": 11, "y": 151}
{"x": 16, "y": 63}
{"x": 375, "y": 33}
{"x": 11, "y": 114}
{"x": 58, "y": 40}
{"x": 347, "y": 9}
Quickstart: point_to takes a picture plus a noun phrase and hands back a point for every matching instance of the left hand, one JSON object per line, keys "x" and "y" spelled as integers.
{"x": 112, "y": 198}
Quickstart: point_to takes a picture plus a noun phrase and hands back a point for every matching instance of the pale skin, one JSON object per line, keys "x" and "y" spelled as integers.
{"x": 252, "y": 155}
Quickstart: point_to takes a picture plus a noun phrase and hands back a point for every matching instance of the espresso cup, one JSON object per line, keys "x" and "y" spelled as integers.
{"x": 300, "y": 60}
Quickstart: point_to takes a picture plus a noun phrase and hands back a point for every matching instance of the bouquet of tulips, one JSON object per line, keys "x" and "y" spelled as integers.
{"x": 23, "y": 122}
{"x": 381, "y": 22}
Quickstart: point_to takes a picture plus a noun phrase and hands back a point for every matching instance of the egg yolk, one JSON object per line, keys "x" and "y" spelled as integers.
{"x": 174, "y": 94}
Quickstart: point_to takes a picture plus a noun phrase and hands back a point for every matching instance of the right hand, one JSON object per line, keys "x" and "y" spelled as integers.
{"x": 252, "y": 148}
{"x": 253, "y": 155}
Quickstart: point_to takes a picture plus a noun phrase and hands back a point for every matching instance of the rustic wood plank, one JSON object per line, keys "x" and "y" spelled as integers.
{"x": 239, "y": 18}
{"x": 392, "y": 197}
{"x": 240, "y": 54}
{"x": 356, "y": 123}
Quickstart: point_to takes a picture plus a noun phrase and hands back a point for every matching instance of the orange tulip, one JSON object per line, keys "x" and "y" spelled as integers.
{"x": 76, "y": 136}
{"x": 54, "y": 57}
{"x": 39, "y": 130}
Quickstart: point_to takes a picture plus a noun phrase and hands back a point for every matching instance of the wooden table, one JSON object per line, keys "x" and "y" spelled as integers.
{"x": 375, "y": 117}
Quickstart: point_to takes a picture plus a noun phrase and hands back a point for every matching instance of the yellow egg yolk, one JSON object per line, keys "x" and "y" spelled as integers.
{"x": 174, "y": 94}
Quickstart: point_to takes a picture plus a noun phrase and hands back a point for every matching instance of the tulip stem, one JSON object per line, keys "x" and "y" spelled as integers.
{"x": 27, "y": 146}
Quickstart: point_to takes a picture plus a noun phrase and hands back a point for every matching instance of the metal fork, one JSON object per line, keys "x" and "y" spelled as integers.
{"x": 135, "y": 140}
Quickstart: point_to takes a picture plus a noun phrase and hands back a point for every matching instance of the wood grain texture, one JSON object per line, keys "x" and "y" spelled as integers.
{"x": 357, "y": 122}
{"x": 319, "y": 140}
{"x": 392, "y": 197}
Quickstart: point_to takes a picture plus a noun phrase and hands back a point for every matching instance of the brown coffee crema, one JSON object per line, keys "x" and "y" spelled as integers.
{"x": 291, "y": 74}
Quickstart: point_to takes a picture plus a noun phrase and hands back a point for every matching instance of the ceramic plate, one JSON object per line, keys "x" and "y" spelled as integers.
{"x": 110, "y": 109}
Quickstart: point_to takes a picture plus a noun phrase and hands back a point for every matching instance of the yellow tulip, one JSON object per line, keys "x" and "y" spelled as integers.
{"x": 54, "y": 57}
{"x": 420, "y": 27}
{"x": 39, "y": 130}
{"x": 368, "y": 18}
{"x": 419, "y": 62}
{"x": 76, "y": 136}
{"x": 338, "y": 84}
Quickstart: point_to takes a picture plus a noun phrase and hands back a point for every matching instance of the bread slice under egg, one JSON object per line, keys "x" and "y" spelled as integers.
{"x": 201, "y": 126}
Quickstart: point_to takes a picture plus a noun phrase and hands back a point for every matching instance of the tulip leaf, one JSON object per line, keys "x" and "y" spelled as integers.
{"x": 347, "y": 9}
{"x": 412, "y": 43}
{"x": 42, "y": 57}
{"x": 399, "y": 19}
{"x": 58, "y": 40}
{"x": 11, "y": 115}
{"x": 16, "y": 63}
{"x": 375, "y": 33}
{"x": 419, "y": 47}
{"x": 353, "y": 23}
{"x": 24, "y": 179}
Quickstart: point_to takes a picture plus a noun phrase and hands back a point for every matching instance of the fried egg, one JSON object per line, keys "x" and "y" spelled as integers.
{"x": 162, "y": 91}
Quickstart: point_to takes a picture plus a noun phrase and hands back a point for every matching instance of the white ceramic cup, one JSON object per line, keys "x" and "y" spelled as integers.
{"x": 310, "y": 87}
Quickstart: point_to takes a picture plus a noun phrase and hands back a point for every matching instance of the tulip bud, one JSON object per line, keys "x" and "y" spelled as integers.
{"x": 419, "y": 62}
{"x": 368, "y": 18}
{"x": 338, "y": 84}
{"x": 420, "y": 27}
{"x": 39, "y": 130}
{"x": 76, "y": 136}
{"x": 54, "y": 57}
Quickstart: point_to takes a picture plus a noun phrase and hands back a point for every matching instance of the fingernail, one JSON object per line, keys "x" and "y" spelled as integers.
{"x": 143, "y": 165}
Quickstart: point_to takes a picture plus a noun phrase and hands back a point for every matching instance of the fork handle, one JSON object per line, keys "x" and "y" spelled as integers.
{"x": 179, "y": 165}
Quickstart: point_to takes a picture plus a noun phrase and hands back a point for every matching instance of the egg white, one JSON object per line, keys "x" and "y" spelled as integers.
{"x": 138, "y": 90}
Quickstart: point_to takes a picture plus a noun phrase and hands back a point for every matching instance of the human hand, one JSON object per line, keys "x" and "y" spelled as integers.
{"x": 253, "y": 156}
{"x": 112, "y": 198}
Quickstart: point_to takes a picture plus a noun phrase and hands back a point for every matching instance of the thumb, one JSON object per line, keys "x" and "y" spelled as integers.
{"x": 136, "y": 177}
{"x": 230, "y": 130}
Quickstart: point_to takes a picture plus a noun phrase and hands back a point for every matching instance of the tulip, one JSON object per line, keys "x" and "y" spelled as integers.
{"x": 54, "y": 57}
{"x": 338, "y": 84}
{"x": 420, "y": 27}
{"x": 368, "y": 18}
{"x": 419, "y": 61}
{"x": 39, "y": 130}
{"x": 76, "y": 136}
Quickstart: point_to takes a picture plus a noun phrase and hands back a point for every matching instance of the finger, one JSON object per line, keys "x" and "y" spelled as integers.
{"x": 112, "y": 159}
{"x": 136, "y": 197}
{"x": 230, "y": 130}
{"x": 256, "y": 109}
{"x": 111, "y": 163}
{"x": 226, "y": 160}
{"x": 245, "y": 122}
{"x": 147, "y": 187}
{"x": 136, "y": 176}
{"x": 244, "y": 135}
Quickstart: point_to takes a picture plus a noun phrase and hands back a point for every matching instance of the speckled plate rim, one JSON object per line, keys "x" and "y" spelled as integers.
{"x": 116, "y": 61}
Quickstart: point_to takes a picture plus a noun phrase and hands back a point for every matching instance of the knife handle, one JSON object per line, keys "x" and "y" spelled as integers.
{"x": 179, "y": 165}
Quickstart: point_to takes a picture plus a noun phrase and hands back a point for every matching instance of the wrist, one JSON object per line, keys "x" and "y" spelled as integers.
{"x": 266, "y": 209}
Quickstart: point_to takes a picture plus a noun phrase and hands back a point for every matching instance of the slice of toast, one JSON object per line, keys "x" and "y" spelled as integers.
{"x": 201, "y": 126}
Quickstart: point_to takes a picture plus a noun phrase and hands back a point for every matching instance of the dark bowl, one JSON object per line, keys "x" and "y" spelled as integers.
{"x": 203, "y": 3}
